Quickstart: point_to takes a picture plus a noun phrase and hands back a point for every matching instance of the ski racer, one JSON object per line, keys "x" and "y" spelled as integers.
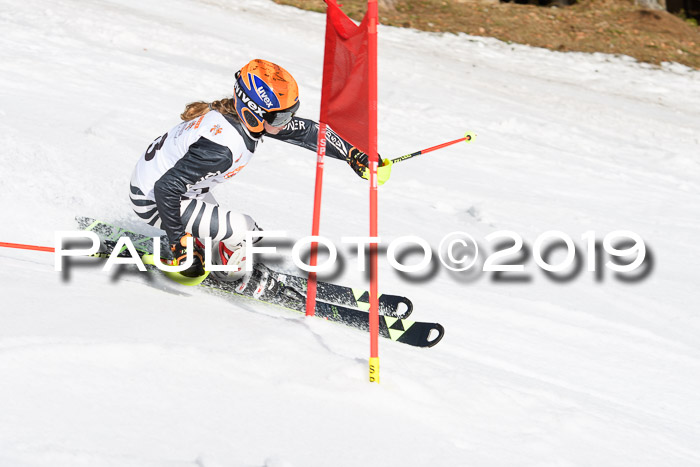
{"x": 172, "y": 182}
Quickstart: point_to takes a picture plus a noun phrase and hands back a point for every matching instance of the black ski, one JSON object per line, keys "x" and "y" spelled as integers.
{"x": 389, "y": 305}
{"x": 269, "y": 286}
{"x": 288, "y": 291}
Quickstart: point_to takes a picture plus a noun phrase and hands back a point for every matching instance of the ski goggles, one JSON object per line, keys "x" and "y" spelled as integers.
{"x": 279, "y": 118}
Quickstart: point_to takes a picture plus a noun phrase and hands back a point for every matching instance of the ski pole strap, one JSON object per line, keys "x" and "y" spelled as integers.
{"x": 469, "y": 136}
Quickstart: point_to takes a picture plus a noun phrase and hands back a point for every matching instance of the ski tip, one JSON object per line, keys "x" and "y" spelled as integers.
{"x": 433, "y": 338}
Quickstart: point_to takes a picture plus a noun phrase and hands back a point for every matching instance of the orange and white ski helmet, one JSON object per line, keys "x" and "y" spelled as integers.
{"x": 264, "y": 91}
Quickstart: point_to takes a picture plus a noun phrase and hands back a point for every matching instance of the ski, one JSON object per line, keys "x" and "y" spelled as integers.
{"x": 389, "y": 305}
{"x": 269, "y": 286}
{"x": 275, "y": 288}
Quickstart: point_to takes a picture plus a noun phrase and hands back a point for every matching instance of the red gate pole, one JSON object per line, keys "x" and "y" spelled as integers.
{"x": 316, "y": 224}
{"x": 22, "y": 246}
{"x": 373, "y": 163}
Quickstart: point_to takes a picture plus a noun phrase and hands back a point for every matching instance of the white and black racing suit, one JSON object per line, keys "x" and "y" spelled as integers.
{"x": 172, "y": 181}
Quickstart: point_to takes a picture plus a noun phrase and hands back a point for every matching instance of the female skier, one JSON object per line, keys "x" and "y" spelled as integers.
{"x": 172, "y": 182}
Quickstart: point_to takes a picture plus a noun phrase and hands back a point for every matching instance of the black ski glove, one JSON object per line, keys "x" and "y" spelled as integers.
{"x": 179, "y": 251}
{"x": 359, "y": 161}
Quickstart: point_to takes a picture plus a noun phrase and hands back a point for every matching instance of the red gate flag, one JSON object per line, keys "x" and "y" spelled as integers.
{"x": 345, "y": 93}
{"x": 344, "y": 105}
{"x": 349, "y": 105}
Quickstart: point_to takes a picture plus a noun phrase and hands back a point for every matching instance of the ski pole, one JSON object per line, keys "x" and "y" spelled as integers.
{"x": 384, "y": 171}
{"x": 468, "y": 137}
{"x": 22, "y": 246}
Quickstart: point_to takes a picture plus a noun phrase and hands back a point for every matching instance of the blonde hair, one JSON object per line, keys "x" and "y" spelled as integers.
{"x": 197, "y": 109}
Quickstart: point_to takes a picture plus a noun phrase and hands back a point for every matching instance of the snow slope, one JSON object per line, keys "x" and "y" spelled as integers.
{"x": 123, "y": 369}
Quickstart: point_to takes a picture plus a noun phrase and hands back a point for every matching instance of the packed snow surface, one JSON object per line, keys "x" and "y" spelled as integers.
{"x": 125, "y": 369}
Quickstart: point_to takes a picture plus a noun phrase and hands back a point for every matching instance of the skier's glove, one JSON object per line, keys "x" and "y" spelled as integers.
{"x": 359, "y": 161}
{"x": 179, "y": 251}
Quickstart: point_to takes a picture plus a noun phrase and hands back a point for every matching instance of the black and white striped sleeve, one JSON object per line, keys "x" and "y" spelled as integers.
{"x": 204, "y": 158}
